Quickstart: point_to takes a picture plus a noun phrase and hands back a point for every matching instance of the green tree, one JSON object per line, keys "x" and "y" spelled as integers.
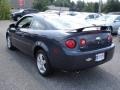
{"x": 80, "y": 5}
{"x": 41, "y": 4}
{"x": 96, "y": 7}
{"x": 52, "y": 1}
{"x": 111, "y": 6}
{"x": 4, "y": 9}
{"x": 89, "y": 7}
{"x": 72, "y": 6}
{"x": 62, "y": 3}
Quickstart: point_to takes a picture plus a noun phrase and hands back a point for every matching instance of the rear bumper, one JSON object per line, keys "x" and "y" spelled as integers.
{"x": 76, "y": 61}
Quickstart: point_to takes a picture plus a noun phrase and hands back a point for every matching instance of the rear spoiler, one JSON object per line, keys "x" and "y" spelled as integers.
{"x": 102, "y": 28}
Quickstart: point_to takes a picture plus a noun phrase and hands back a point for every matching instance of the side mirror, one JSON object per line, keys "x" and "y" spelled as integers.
{"x": 12, "y": 27}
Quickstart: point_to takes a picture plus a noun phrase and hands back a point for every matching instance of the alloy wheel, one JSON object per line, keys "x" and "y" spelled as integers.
{"x": 41, "y": 63}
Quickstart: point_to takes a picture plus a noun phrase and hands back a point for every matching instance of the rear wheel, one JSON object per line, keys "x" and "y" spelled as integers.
{"x": 9, "y": 43}
{"x": 43, "y": 64}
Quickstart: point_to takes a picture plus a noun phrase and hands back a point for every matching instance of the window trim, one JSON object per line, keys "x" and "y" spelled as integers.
{"x": 23, "y": 19}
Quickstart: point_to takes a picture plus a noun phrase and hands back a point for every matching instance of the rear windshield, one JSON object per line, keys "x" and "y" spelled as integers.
{"x": 63, "y": 23}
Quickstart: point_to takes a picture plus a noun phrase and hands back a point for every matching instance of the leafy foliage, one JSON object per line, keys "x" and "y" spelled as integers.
{"x": 72, "y": 6}
{"x": 80, "y": 5}
{"x": 4, "y": 10}
{"x": 112, "y": 6}
{"x": 41, "y": 4}
{"x": 91, "y": 7}
{"x": 63, "y": 3}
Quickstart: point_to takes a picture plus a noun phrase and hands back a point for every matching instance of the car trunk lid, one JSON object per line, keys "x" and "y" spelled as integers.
{"x": 93, "y": 39}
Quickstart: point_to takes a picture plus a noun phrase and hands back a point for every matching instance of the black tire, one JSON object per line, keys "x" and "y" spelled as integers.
{"x": 48, "y": 70}
{"x": 9, "y": 43}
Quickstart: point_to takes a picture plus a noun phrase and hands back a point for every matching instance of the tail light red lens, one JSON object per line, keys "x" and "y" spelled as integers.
{"x": 70, "y": 43}
{"x": 109, "y": 38}
{"x": 83, "y": 42}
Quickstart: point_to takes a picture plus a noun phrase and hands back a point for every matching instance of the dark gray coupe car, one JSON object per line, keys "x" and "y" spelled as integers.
{"x": 58, "y": 44}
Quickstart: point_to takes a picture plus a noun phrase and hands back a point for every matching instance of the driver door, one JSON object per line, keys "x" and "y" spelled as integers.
{"x": 22, "y": 27}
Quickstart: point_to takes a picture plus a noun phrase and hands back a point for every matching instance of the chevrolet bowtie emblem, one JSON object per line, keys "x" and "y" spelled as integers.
{"x": 98, "y": 38}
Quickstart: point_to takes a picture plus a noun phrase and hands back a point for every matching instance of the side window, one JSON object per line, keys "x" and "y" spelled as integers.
{"x": 37, "y": 25}
{"x": 25, "y": 22}
{"x": 91, "y": 16}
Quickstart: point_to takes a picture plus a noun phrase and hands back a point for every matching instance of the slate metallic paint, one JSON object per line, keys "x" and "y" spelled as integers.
{"x": 52, "y": 42}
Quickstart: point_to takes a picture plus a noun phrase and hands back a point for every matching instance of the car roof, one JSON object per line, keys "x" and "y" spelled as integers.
{"x": 108, "y": 17}
{"x": 113, "y": 16}
{"x": 114, "y": 13}
{"x": 73, "y": 21}
{"x": 42, "y": 15}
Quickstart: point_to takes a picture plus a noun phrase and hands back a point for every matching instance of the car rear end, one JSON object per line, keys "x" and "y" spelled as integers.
{"x": 84, "y": 49}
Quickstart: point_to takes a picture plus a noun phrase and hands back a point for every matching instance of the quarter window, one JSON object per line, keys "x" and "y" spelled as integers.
{"x": 91, "y": 16}
{"x": 37, "y": 25}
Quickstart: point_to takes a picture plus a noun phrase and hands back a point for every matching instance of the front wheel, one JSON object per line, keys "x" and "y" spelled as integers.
{"x": 43, "y": 64}
{"x": 9, "y": 43}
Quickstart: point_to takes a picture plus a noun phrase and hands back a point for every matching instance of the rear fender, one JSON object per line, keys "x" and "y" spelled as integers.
{"x": 41, "y": 45}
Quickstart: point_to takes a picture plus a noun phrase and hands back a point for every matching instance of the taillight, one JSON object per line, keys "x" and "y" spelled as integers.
{"x": 82, "y": 42}
{"x": 70, "y": 43}
{"x": 109, "y": 38}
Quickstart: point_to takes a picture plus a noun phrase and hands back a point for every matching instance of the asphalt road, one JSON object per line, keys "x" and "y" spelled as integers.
{"x": 19, "y": 72}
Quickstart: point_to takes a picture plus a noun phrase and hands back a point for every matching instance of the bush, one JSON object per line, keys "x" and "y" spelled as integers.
{"x": 41, "y": 5}
{"x": 4, "y": 10}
